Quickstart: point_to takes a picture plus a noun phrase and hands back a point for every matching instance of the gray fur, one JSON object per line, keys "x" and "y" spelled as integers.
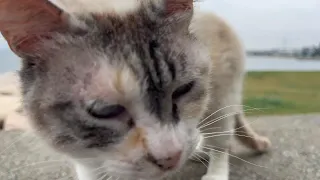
{"x": 158, "y": 49}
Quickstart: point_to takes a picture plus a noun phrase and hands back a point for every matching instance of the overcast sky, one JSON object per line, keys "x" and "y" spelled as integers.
{"x": 268, "y": 23}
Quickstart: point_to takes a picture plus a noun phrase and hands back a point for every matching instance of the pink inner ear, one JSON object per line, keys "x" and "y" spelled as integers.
{"x": 23, "y": 22}
{"x": 174, "y": 6}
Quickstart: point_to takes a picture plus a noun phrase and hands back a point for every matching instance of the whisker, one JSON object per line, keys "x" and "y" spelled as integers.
{"x": 213, "y": 157}
{"x": 235, "y": 105}
{"x": 104, "y": 176}
{"x": 212, "y": 128}
{"x": 212, "y": 148}
{"x": 215, "y": 113}
{"x": 66, "y": 177}
{"x": 222, "y": 117}
{"x": 218, "y": 119}
{"x": 234, "y": 130}
{"x": 24, "y": 135}
{"x": 196, "y": 156}
{"x": 96, "y": 170}
{"x": 203, "y": 157}
{"x": 226, "y": 134}
{"x": 39, "y": 163}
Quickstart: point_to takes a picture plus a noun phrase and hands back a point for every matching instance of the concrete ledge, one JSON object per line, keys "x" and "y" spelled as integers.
{"x": 295, "y": 155}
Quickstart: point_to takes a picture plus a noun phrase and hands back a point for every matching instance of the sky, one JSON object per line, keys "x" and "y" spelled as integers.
{"x": 270, "y": 23}
{"x": 267, "y": 24}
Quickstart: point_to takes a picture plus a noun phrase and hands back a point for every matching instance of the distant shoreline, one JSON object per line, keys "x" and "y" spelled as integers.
{"x": 286, "y": 57}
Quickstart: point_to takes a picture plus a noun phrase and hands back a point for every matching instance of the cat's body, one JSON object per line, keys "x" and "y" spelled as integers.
{"x": 225, "y": 110}
{"x": 126, "y": 71}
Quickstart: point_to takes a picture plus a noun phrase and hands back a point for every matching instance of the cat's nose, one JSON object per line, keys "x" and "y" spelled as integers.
{"x": 168, "y": 163}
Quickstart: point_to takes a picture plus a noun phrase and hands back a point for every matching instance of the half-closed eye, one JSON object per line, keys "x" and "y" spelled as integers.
{"x": 182, "y": 90}
{"x": 103, "y": 110}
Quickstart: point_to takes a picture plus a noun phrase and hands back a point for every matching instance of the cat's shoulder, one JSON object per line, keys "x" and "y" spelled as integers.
{"x": 209, "y": 26}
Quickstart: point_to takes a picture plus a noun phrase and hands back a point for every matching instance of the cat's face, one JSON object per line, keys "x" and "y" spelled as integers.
{"x": 125, "y": 92}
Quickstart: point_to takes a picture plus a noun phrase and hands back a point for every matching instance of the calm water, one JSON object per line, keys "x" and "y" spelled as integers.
{"x": 10, "y": 62}
{"x": 281, "y": 64}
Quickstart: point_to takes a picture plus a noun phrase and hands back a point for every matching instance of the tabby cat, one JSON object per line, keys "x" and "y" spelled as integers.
{"x": 122, "y": 92}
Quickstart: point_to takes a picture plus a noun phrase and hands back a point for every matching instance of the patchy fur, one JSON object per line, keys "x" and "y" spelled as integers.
{"x": 163, "y": 66}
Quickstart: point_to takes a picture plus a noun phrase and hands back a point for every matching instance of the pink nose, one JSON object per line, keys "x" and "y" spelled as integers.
{"x": 167, "y": 163}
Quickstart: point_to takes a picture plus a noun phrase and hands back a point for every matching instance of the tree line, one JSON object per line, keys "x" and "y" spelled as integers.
{"x": 311, "y": 52}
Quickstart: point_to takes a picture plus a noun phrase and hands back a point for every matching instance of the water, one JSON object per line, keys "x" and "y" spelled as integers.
{"x": 281, "y": 64}
{"x": 10, "y": 62}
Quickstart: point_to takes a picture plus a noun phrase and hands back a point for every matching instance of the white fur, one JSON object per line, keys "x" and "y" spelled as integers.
{"x": 85, "y": 172}
{"x": 97, "y": 6}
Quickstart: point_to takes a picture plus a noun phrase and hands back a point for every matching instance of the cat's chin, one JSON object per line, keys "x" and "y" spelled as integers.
{"x": 144, "y": 171}
{"x": 126, "y": 174}
{"x": 155, "y": 176}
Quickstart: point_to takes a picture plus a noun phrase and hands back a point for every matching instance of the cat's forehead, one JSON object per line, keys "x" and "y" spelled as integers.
{"x": 118, "y": 85}
{"x": 122, "y": 58}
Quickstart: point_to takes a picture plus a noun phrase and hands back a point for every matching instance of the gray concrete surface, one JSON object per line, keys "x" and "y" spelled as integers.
{"x": 295, "y": 155}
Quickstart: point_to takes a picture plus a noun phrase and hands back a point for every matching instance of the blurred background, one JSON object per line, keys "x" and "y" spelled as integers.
{"x": 282, "y": 41}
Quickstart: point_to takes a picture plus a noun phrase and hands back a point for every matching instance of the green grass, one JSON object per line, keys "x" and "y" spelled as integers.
{"x": 282, "y": 92}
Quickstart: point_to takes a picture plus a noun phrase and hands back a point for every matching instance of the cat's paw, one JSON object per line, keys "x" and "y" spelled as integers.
{"x": 215, "y": 177}
{"x": 262, "y": 144}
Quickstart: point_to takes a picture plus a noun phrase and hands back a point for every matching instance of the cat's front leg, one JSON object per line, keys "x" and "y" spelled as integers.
{"x": 217, "y": 158}
{"x": 85, "y": 172}
{"x": 90, "y": 171}
{"x": 215, "y": 144}
{"x": 218, "y": 167}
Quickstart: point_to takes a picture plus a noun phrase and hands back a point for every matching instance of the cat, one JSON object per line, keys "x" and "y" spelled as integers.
{"x": 127, "y": 93}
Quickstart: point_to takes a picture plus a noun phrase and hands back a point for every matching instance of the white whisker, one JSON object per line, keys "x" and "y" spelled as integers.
{"x": 196, "y": 156}
{"x": 226, "y": 134}
{"x": 203, "y": 157}
{"x": 104, "y": 176}
{"x": 218, "y": 119}
{"x": 222, "y": 117}
{"x": 215, "y": 113}
{"x": 212, "y": 148}
{"x": 39, "y": 163}
{"x": 97, "y": 170}
{"x": 236, "y": 105}
{"x": 24, "y": 135}
{"x": 233, "y": 130}
{"x": 212, "y": 128}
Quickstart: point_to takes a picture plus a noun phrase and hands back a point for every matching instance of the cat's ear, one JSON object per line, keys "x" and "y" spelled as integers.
{"x": 178, "y": 13}
{"x": 23, "y": 23}
{"x": 177, "y": 6}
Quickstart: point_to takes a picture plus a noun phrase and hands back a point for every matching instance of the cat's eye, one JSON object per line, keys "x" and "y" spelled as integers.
{"x": 182, "y": 90}
{"x": 102, "y": 110}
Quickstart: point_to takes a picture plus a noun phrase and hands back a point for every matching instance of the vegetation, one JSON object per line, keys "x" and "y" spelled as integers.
{"x": 277, "y": 93}
{"x": 307, "y": 52}
{"x": 310, "y": 52}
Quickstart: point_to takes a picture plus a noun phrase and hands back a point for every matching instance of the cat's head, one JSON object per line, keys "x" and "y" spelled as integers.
{"x": 123, "y": 91}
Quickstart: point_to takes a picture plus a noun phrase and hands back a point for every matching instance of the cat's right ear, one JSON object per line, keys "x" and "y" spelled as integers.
{"x": 177, "y": 14}
{"x": 23, "y": 23}
{"x": 176, "y": 6}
